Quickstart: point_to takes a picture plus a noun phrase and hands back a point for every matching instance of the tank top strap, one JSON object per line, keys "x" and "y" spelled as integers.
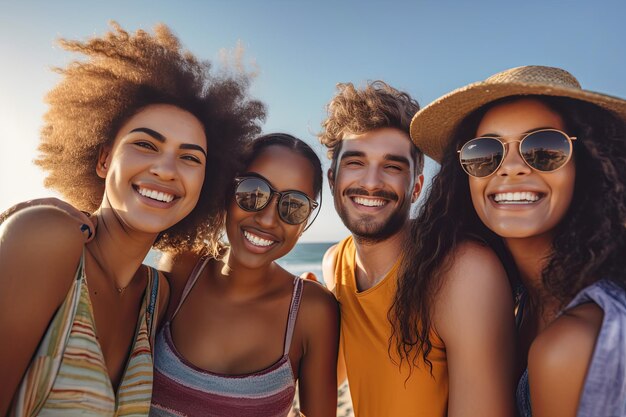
{"x": 152, "y": 309}
{"x": 298, "y": 285}
{"x": 519, "y": 311}
{"x": 193, "y": 277}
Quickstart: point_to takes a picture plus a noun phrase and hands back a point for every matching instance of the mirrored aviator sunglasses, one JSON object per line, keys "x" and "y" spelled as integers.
{"x": 255, "y": 193}
{"x": 543, "y": 150}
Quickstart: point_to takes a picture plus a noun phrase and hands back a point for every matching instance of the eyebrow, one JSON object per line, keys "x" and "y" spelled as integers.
{"x": 156, "y": 135}
{"x": 389, "y": 157}
{"x": 352, "y": 154}
{"x": 397, "y": 158}
{"x": 150, "y": 132}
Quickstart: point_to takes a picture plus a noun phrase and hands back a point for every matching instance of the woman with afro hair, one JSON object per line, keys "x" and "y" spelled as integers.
{"x": 142, "y": 136}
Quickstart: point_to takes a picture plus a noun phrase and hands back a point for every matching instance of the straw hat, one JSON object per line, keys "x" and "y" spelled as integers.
{"x": 433, "y": 126}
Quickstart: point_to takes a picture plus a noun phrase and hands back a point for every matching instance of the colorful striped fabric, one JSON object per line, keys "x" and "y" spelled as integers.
{"x": 182, "y": 389}
{"x": 68, "y": 376}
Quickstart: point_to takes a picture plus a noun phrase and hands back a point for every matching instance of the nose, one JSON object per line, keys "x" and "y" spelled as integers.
{"x": 165, "y": 167}
{"x": 513, "y": 163}
{"x": 268, "y": 217}
{"x": 371, "y": 179}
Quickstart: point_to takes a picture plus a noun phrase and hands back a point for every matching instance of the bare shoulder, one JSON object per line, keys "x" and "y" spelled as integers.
{"x": 475, "y": 272}
{"x": 567, "y": 344}
{"x": 559, "y": 359}
{"x": 318, "y": 317}
{"x": 177, "y": 268}
{"x": 178, "y": 263}
{"x": 318, "y": 306}
{"x": 475, "y": 293}
{"x": 475, "y": 257}
{"x": 473, "y": 316}
{"x": 328, "y": 266}
{"x": 39, "y": 223}
{"x": 316, "y": 299}
{"x": 40, "y": 251}
{"x": 42, "y": 239}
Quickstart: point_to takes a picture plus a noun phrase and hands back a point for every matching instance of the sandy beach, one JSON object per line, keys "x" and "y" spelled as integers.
{"x": 344, "y": 403}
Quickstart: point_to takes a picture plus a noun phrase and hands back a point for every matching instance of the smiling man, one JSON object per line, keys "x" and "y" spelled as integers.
{"x": 375, "y": 175}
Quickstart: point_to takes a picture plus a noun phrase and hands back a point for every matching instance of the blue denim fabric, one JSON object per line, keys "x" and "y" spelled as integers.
{"x": 604, "y": 391}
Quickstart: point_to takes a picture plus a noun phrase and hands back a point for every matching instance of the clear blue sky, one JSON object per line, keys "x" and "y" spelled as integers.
{"x": 302, "y": 49}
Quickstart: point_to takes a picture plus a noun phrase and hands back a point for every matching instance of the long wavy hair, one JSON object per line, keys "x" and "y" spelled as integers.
{"x": 589, "y": 242}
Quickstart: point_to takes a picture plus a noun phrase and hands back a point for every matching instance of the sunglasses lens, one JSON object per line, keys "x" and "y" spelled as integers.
{"x": 294, "y": 207}
{"x": 481, "y": 156}
{"x": 252, "y": 194}
{"x": 546, "y": 150}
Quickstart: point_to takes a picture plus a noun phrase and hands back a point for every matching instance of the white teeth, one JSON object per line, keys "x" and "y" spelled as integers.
{"x": 256, "y": 240}
{"x": 369, "y": 202}
{"x": 155, "y": 195}
{"x": 518, "y": 197}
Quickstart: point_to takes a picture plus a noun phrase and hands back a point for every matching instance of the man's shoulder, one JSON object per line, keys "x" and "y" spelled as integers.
{"x": 329, "y": 262}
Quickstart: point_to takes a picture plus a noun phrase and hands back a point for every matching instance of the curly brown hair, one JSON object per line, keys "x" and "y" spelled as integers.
{"x": 123, "y": 73}
{"x": 357, "y": 111}
{"x": 589, "y": 243}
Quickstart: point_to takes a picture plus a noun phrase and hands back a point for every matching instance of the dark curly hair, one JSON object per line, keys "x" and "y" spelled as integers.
{"x": 122, "y": 74}
{"x": 257, "y": 146}
{"x": 589, "y": 242}
{"x": 357, "y": 111}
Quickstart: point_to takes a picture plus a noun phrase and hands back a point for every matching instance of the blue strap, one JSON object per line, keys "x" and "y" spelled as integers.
{"x": 154, "y": 291}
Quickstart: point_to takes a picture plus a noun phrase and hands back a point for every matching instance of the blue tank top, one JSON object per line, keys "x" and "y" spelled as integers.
{"x": 604, "y": 390}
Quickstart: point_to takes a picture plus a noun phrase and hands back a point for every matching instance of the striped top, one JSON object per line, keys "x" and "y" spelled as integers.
{"x": 182, "y": 389}
{"x": 68, "y": 376}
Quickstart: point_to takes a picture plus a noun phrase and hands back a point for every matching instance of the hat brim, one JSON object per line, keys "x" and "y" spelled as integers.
{"x": 433, "y": 126}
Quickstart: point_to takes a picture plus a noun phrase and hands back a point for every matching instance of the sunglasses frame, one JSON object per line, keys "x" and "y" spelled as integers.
{"x": 505, "y": 148}
{"x": 273, "y": 191}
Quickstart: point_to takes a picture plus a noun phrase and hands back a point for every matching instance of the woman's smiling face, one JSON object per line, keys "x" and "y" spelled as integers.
{"x": 548, "y": 194}
{"x": 155, "y": 168}
{"x": 259, "y": 237}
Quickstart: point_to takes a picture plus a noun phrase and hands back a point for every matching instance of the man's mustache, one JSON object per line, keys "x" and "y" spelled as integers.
{"x": 389, "y": 195}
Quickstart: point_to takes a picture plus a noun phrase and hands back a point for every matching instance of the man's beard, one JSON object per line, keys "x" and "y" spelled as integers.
{"x": 370, "y": 229}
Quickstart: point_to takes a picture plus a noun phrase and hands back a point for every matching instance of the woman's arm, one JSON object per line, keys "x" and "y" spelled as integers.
{"x": 40, "y": 249}
{"x": 558, "y": 361}
{"x": 474, "y": 317}
{"x": 86, "y": 223}
{"x": 177, "y": 268}
{"x": 318, "y": 320}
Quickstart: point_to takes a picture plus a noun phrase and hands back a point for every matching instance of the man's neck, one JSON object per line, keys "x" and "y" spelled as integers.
{"x": 375, "y": 260}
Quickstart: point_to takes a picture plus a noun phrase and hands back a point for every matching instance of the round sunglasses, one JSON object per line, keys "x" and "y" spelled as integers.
{"x": 544, "y": 150}
{"x": 255, "y": 193}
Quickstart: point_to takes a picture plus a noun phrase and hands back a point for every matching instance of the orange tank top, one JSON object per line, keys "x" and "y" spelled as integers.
{"x": 377, "y": 385}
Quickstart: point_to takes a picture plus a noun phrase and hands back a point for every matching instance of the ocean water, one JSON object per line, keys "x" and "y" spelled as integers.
{"x": 304, "y": 257}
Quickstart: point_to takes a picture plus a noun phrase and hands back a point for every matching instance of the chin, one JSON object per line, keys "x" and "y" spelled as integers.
{"x": 508, "y": 231}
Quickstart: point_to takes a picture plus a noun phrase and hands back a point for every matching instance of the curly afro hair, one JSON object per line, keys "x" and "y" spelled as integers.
{"x": 124, "y": 72}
